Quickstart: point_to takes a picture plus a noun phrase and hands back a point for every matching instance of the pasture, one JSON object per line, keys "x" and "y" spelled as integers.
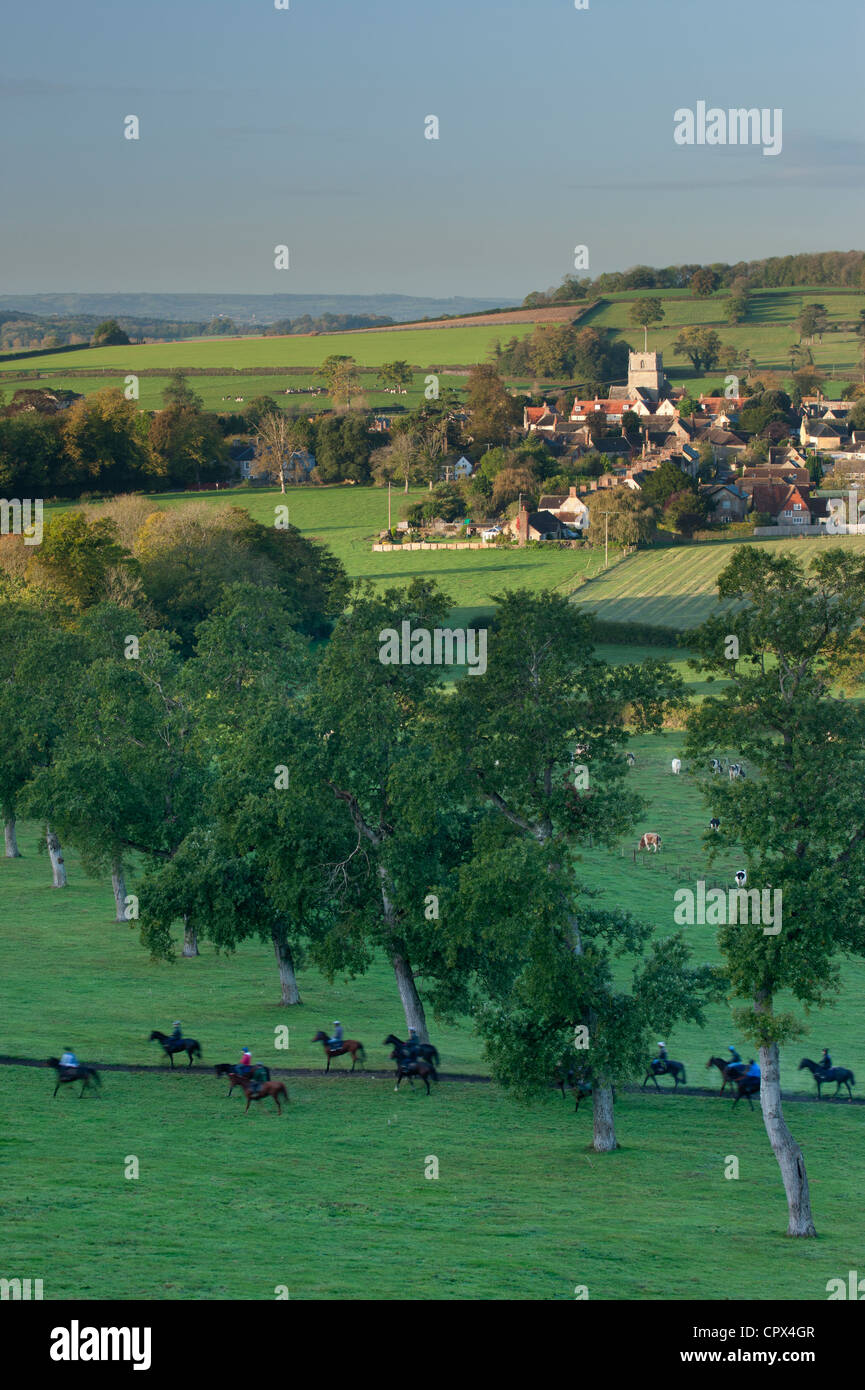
{"x": 319, "y": 1200}
{"x": 348, "y": 520}
{"x": 421, "y": 347}
{"x": 220, "y": 393}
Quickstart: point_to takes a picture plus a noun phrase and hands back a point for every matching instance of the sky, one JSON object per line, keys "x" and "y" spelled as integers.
{"x": 306, "y": 128}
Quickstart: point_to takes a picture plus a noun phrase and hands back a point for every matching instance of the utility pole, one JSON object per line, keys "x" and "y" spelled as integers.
{"x": 606, "y": 516}
{"x": 388, "y": 504}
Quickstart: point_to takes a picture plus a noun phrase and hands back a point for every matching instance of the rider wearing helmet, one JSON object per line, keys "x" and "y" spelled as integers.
{"x": 176, "y": 1032}
{"x": 735, "y": 1059}
{"x": 68, "y": 1061}
{"x": 336, "y": 1040}
{"x": 825, "y": 1061}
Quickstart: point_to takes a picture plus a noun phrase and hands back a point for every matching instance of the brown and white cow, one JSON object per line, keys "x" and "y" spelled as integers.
{"x": 650, "y": 841}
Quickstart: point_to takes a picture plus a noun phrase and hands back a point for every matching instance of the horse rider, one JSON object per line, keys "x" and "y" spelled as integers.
{"x": 176, "y": 1032}
{"x": 336, "y": 1040}
{"x": 245, "y": 1065}
{"x": 825, "y": 1061}
{"x": 753, "y": 1069}
{"x": 735, "y": 1059}
{"x": 258, "y": 1075}
{"x": 412, "y": 1047}
{"x": 661, "y": 1058}
{"x": 68, "y": 1062}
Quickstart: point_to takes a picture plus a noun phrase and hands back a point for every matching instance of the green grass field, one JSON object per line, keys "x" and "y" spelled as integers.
{"x": 348, "y": 520}
{"x": 420, "y": 347}
{"x": 321, "y": 1199}
{"x": 768, "y": 331}
{"x": 676, "y": 587}
{"x": 219, "y": 393}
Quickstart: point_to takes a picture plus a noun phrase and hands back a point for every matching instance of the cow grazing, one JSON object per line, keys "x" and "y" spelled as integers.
{"x": 741, "y": 878}
{"x": 714, "y": 823}
{"x": 716, "y": 766}
{"x": 650, "y": 841}
{"x": 630, "y": 759}
{"x": 736, "y": 770}
{"x": 677, "y": 765}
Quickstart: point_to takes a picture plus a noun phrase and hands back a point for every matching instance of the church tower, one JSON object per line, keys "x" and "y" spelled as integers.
{"x": 646, "y": 373}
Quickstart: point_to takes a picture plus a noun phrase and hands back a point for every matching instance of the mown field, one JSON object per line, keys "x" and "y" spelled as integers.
{"x": 676, "y": 587}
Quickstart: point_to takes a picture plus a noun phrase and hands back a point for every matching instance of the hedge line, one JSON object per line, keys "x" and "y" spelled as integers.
{"x": 638, "y": 634}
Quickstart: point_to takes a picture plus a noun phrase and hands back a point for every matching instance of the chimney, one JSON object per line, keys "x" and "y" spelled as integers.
{"x": 572, "y": 492}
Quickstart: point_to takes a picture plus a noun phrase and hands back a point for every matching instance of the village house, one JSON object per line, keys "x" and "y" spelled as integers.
{"x": 787, "y": 505}
{"x": 822, "y": 434}
{"x": 569, "y": 509}
{"x": 725, "y": 501}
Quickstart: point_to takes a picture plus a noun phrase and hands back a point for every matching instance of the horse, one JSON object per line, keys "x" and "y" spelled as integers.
{"x": 187, "y": 1045}
{"x": 235, "y": 1076}
{"x": 669, "y": 1068}
{"x": 424, "y": 1050}
{"x": 730, "y": 1071}
{"x": 746, "y": 1086}
{"x": 424, "y": 1070}
{"x": 577, "y": 1086}
{"x": 81, "y": 1073}
{"x": 267, "y": 1088}
{"x": 842, "y": 1075}
{"x": 347, "y": 1045}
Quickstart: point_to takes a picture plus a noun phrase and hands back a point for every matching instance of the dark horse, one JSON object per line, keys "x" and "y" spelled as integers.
{"x": 187, "y": 1045}
{"x": 234, "y": 1074}
{"x": 347, "y": 1045}
{"x": 81, "y": 1073}
{"x": 424, "y": 1050}
{"x": 424, "y": 1070}
{"x": 730, "y": 1071}
{"x": 669, "y": 1068}
{"x": 267, "y": 1088}
{"x": 842, "y": 1075}
{"x": 577, "y": 1085}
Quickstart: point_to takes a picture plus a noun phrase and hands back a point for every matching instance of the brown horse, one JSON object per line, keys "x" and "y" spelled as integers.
{"x": 267, "y": 1088}
{"x": 421, "y": 1069}
{"x": 347, "y": 1045}
{"x": 230, "y": 1069}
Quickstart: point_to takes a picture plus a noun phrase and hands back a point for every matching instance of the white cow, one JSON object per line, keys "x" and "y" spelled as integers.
{"x": 677, "y": 765}
{"x": 741, "y": 878}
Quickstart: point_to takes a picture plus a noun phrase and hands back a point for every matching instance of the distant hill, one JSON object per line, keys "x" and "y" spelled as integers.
{"x": 243, "y": 308}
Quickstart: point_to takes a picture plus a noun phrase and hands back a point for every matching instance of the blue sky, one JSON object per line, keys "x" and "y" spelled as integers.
{"x": 306, "y": 127}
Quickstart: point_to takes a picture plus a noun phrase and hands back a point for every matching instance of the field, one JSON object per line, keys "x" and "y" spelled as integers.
{"x": 676, "y": 587}
{"x": 320, "y": 1200}
{"x": 421, "y": 347}
{"x": 220, "y": 393}
{"x": 768, "y": 332}
{"x": 348, "y": 520}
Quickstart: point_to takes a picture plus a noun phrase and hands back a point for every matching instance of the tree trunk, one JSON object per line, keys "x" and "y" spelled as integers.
{"x": 285, "y": 961}
{"x": 190, "y": 940}
{"x": 118, "y": 883}
{"x": 604, "y": 1138}
{"x": 12, "y": 850}
{"x": 55, "y": 853}
{"x": 411, "y": 1000}
{"x": 784, "y": 1146}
